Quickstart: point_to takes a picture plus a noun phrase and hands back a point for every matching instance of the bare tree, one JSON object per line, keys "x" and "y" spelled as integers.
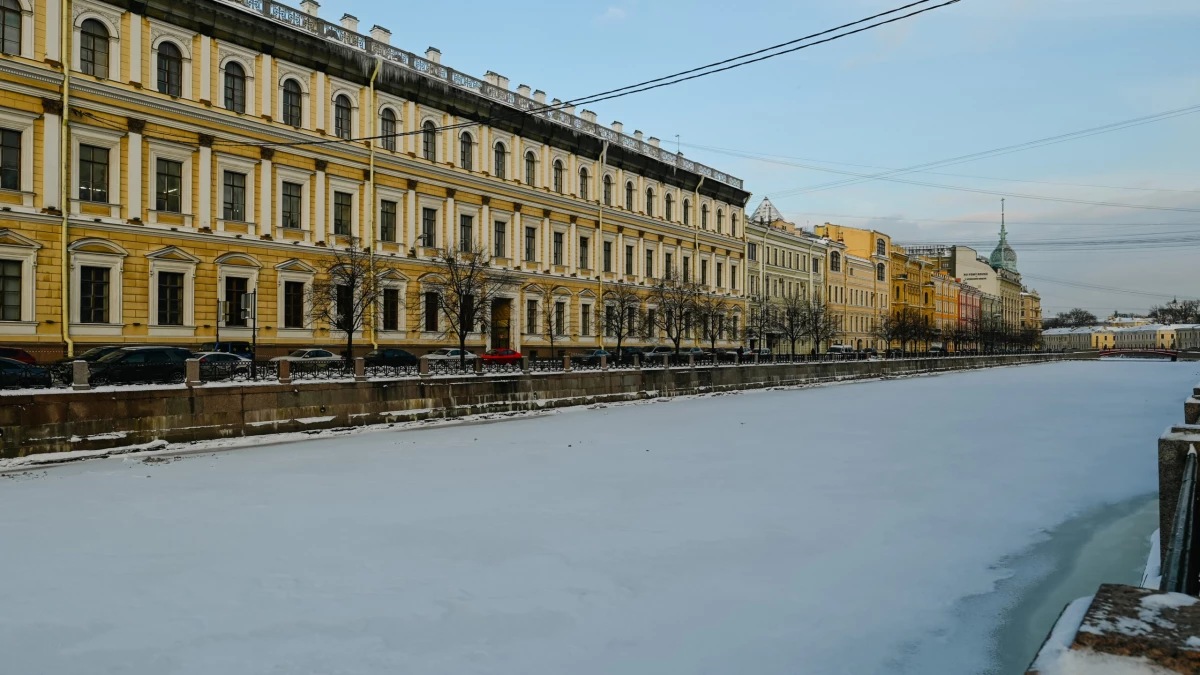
{"x": 710, "y": 313}
{"x": 676, "y": 301}
{"x": 549, "y": 326}
{"x": 791, "y": 319}
{"x": 1176, "y": 311}
{"x": 622, "y": 315}
{"x": 890, "y": 329}
{"x": 761, "y": 320}
{"x": 467, "y": 289}
{"x": 821, "y": 325}
{"x": 349, "y": 291}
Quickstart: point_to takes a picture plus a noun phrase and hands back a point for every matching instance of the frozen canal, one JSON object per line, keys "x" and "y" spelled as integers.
{"x": 885, "y": 527}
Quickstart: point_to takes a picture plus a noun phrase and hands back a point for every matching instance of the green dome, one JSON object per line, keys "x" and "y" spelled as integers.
{"x": 1004, "y": 256}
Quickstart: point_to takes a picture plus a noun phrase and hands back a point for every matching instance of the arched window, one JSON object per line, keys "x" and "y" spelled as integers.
{"x": 10, "y": 27}
{"x": 650, "y": 202}
{"x": 629, "y": 195}
{"x": 835, "y": 262}
{"x": 668, "y": 206}
{"x": 530, "y": 167}
{"x": 687, "y": 212}
{"x": 466, "y": 151}
{"x": 429, "y": 141}
{"x": 387, "y": 129}
{"x": 292, "y": 103}
{"x": 733, "y": 225}
{"x": 341, "y": 116}
{"x": 500, "y": 161}
{"x": 93, "y": 47}
{"x": 235, "y": 87}
{"x": 583, "y": 183}
{"x": 704, "y": 216}
{"x": 720, "y": 221}
{"x": 880, "y": 248}
{"x": 170, "y": 69}
{"x": 880, "y": 270}
{"x": 558, "y": 176}
{"x": 608, "y": 189}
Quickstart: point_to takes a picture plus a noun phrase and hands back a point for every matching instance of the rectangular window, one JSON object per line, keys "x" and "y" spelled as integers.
{"x": 387, "y": 220}
{"x": 10, "y": 290}
{"x": 651, "y": 321}
{"x": 431, "y": 312}
{"x": 429, "y": 228}
{"x": 530, "y": 243}
{"x": 667, "y": 265}
{"x": 649, "y": 264}
{"x": 235, "y": 196}
{"x": 170, "y": 299}
{"x": 628, "y": 260}
{"x": 687, "y": 268}
{"x": 341, "y": 213}
{"x": 10, "y": 159}
{"x": 720, "y": 274}
{"x": 703, "y": 272}
{"x": 608, "y": 256}
{"x": 344, "y": 306}
{"x": 560, "y": 318}
{"x": 584, "y": 254}
{"x": 466, "y": 233}
{"x": 93, "y": 174}
{"x": 391, "y": 309}
{"x": 168, "y": 191}
{"x": 235, "y": 301}
{"x": 290, "y": 203}
{"x": 531, "y": 307}
{"x": 558, "y": 248}
{"x": 293, "y": 304}
{"x": 610, "y": 321}
{"x": 585, "y": 320}
{"x": 499, "y": 246}
{"x": 93, "y": 294}
{"x": 752, "y": 251}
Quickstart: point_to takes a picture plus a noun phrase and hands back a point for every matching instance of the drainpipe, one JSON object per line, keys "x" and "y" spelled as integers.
{"x": 696, "y": 244}
{"x": 600, "y": 232}
{"x": 64, "y": 175}
{"x": 371, "y": 203}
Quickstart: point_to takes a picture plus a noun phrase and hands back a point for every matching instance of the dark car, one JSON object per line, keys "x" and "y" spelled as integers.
{"x": 17, "y": 355}
{"x": 389, "y": 356}
{"x": 92, "y": 355}
{"x": 18, "y": 374}
{"x": 894, "y": 353}
{"x": 141, "y": 365}
{"x": 591, "y": 357}
{"x": 243, "y": 349}
{"x": 626, "y": 354}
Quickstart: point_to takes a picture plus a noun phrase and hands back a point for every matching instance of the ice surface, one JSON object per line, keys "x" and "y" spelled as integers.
{"x": 827, "y": 530}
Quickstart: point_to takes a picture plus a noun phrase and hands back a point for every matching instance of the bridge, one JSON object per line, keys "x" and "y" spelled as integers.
{"x": 1142, "y": 352}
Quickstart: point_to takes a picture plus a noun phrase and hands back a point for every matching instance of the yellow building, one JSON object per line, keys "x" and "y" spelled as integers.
{"x": 1031, "y": 310}
{"x": 860, "y": 268}
{"x": 912, "y": 285}
{"x": 200, "y": 170}
{"x": 782, "y": 261}
{"x": 946, "y": 293}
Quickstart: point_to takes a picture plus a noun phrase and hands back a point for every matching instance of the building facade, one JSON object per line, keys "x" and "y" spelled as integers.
{"x": 191, "y": 174}
{"x": 860, "y": 281}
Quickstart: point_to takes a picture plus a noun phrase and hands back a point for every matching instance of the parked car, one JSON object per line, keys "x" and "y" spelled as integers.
{"x": 501, "y": 356}
{"x": 840, "y": 349}
{"x": 310, "y": 355}
{"x": 761, "y": 351}
{"x": 14, "y": 373}
{"x": 17, "y": 355}
{"x": 626, "y": 354}
{"x": 591, "y": 357}
{"x": 894, "y": 353}
{"x": 220, "y": 365}
{"x": 91, "y": 355}
{"x": 218, "y": 357}
{"x": 141, "y": 365}
{"x": 389, "y": 356}
{"x": 241, "y": 348}
{"x": 450, "y": 354}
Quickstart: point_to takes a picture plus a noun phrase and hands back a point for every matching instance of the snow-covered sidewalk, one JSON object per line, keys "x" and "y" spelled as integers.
{"x": 828, "y": 530}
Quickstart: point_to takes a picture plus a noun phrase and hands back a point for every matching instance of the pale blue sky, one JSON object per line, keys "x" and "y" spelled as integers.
{"x": 973, "y": 76}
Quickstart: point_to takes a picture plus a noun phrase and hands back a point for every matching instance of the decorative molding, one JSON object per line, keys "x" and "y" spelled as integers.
{"x": 267, "y": 153}
{"x": 206, "y": 140}
{"x": 487, "y": 201}
{"x": 412, "y": 184}
{"x": 546, "y": 213}
{"x": 322, "y": 165}
{"x": 135, "y": 125}
{"x": 51, "y": 106}
{"x": 450, "y": 192}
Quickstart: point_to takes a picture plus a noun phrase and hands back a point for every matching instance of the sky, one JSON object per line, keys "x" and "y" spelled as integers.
{"x": 970, "y": 77}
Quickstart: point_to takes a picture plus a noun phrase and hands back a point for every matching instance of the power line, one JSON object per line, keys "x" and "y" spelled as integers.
{"x": 664, "y": 81}
{"x": 1098, "y": 287}
{"x": 988, "y": 222}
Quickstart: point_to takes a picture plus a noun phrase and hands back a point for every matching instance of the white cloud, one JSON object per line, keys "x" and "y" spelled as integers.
{"x": 614, "y": 13}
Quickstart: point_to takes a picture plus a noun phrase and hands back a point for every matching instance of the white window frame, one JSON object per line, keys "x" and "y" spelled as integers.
{"x": 187, "y": 267}
{"x": 111, "y": 20}
{"x": 338, "y": 184}
{"x": 235, "y": 164}
{"x": 229, "y": 54}
{"x": 476, "y": 163}
{"x": 293, "y": 270}
{"x": 22, "y": 122}
{"x": 287, "y": 174}
{"x": 505, "y": 217}
{"x": 438, "y": 204}
{"x": 342, "y": 88}
{"x": 27, "y": 28}
{"x": 303, "y": 78}
{"x": 174, "y": 152}
{"x": 164, "y": 32}
{"x": 400, "y": 283}
{"x": 15, "y": 246}
{"x": 397, "y": 107}
{"x": 114, "y": 260}
{"x": 382, "y": 194}
{"x": 102, "y": 138}
{"x": 226, "y": 268}
{"x": 475, "y": 212}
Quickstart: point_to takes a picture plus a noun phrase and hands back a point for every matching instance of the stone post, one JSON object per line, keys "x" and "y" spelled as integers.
{"x": 285, "y": 372}
{"x": 691, "y": 360}
{"x": 423, "y": 368}
{"x": 360, "y": 369}
{"x": 193, "y": 372}
{"x": 525, "y": 364}
{"x": 79, "y": 376}
{"x": 566, "y": 363}
{"x": 478, "y": 363}
{"x": 637, "y": 361}
{"x": 603, "y": 363}
{"x": 756, "y": 358}
{"x": 737, "y": 359}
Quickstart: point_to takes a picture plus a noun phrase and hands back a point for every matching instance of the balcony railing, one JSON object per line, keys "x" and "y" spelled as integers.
{"x": 321, "y": 28}
{"x": 1180, "y": 567}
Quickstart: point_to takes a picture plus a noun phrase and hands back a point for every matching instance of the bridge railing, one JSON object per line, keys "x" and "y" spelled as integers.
{"x": 1181, "y": 573}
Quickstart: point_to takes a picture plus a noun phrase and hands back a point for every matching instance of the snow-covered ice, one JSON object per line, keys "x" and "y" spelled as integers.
{"x": 825, "y": 530}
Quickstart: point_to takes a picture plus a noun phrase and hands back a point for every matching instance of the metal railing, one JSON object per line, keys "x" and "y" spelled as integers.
{"x": 34, "y": 376}
{"x": 388, "y": 370}
{"x": 1179, "y": 574}
{"x": 490, "y": 367}
{"x": 550, "y": 365}
{"x": 127, "y": 374}
{"x": 243, "y": 371}
{"x": 322, "y": 370}
{"x": 451, "y": 367}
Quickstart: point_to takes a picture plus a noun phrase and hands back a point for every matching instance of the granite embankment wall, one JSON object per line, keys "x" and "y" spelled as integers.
{"x": 115, "y": 417}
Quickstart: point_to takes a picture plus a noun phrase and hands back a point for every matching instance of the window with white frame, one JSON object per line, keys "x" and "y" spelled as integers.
{"x": 343, "y": 206}
{"x": 294, "y": 309}
{"x": 99, "y": 52}
{"x": 387, "y": 129}
{"x": 17, "y": 154}
{"x": 291, "y": 103}
{"x": 235, "y": 78}
{"x": 97, "y": 167}
{"x": 343, "y": 117}
{"x": 500, "y": 161}
{"x": 172, "y": 292}
{"x": 96, "y": 277}
{"x": 172, "y": 167}
{"x": 16, "y": 27}
{"x": 292, "y": 197}
{"x": 235, "y": 176}
{"x": 18, "y": 263}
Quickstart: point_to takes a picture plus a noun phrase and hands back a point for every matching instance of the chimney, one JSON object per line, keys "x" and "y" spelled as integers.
{"x": 556, "y": 103}
{"x": 381, "y": 34}
{"x": 496, "y": 79}
{"x": 654, "y": 141}
{"x": 539, "y": 96}
{"x": 523, "y": 90}
{"x": 350, "y": 22}
{"x": 637, "y": 135}
{"x": 588, "y": 115}
{"x": 310, "y": 7}
{"x": 433, "y": 55}
{"x": 569, "y": 109}
{"x": 618, "y": 127}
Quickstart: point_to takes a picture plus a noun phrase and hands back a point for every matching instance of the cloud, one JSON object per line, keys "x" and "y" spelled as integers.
{"x": 614, "y": 13}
